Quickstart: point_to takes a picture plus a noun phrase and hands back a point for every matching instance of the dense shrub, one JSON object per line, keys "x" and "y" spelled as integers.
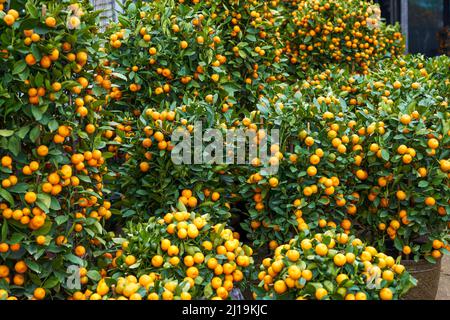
{"x": 51, "y": 199}
{"x": 180, "y": 255}
{"x": 348, "y": 33}
{"x": 331, "y": 266}
{"x": 86, "y": 129}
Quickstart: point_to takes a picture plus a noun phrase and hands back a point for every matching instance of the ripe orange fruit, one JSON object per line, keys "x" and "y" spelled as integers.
{"x": 415, "y": 85}
{"x": 430, "y": 201}
{"x": 401, "y": 195}
{"x": 386, "y": 294}
{"x": 9, "y": 19}
{"x": 45, "y": 62}
{"x": 130, "y": 260}
{"x": 30, "y": 59}
{"x": 294, "y": 272}
{"x": 192, "y": 202}
{"x": 273, "y": 182}
{"x": 361, "y": 174}
{"x": 4, "y": 247}
{"x": 341, "y": 277}
{"x": 437, "y": 244}
{"x": 422, "y": 172}
{"x": 293, "y": 255}
{"x": 445, "y": 165}
{"x": 165, "y": 244}
{"x": 406, "y": 250}
{"x": 311, "y": 171}
{"x": 388, "y": 275}
{"x": 34, "y": 165}
{"x": 6, "y": 161}
{"x": 20, "y": 267}
{"x": 40, "y": 240}
{"x": 433, "y": 143}
{"x": 90, "y": 128}
{"x": 397, "y": 85}
{"x": 144, "y": 166}
{"x": 309, "y": 141}
{"x": 80, "y": 251}
{"x": 54, "y": 55}
{"x": 50, "y": 22}
{"x": 199, "y": 257}
{"x": 320, "y": 293}
{"x": 407, "y": 158}
{"x": 366, "y": 256}
{"x": 183, "y": 44}
{"x": 339, "y": 259}
{"x": 42, "y": 150}
{"x": 215, "y": 196}
{"x": 307, "y": 274}
{"x": 360, "y": 296}
{"x": 321, "y": 249}
{"x": 192, "y": 272}
{"x": 39, "y": 293}
{"x": 30, "y": 197}
{"x": 277, "y": 266}
{"x": 280, "y": 286}
{"x": 157, "y": 261}
{"x": 436, "y": 254}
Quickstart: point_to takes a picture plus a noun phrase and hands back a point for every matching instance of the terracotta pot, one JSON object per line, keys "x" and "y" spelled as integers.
{"x": 427, "y": 275}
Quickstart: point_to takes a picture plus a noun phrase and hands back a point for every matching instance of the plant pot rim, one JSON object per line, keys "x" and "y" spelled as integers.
{"x": 421, "y": 266}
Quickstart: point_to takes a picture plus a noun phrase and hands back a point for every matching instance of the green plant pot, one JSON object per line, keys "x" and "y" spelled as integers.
{"x": 427, "y": 275}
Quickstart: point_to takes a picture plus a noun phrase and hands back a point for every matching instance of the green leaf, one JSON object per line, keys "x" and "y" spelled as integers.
{"x": 54, "y": 204}
{"x": 119, "y": 75}
{"x": 423, "y": 184}
{"x": 385, "y": 155}
{"x": 19, "y": 188}
{"x": 99, "y": 227}
{"x": 7, "y": 196}
{"x": 94, "y": 275}
{"x": 43, "y": 201}
{"x": 398, "y": 244}
{"x": 14, "y": 145}
{"x": 39, "y": 80}
{"x": 208, "y": 291}
{"x": 37, "y": 113}
{"x": 6, "y": 133}
{"x": 51, "y": 283}
{"x": 430, "y": 259}
{"x": 4, "y": 230}
{"x": 61, "y": 219}
{"x": 35, "y": 133}
{"x": 128, "y": 213}
{"x": 16, "y": 237}
{"x": 33, "y": 265}
{"x": 53, "y": 125}
{"x": 74, "y": 259}
{"x": 19, "y": 67}
{"x": 31, "y": 9}
{"x": 23, "y": 132}
{"x": 181, "y": 206}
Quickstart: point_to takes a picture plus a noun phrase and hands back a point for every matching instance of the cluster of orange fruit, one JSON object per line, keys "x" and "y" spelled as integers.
{"x": 346, "y": 32}
{"x": 331, "y": 265}
{"x": 184, "y": 243}
{"x": 51, "y": 195}
{"x": 11, "y": 16}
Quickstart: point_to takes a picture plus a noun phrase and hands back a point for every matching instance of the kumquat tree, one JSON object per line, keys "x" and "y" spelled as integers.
{"x": 265, "y": 150}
